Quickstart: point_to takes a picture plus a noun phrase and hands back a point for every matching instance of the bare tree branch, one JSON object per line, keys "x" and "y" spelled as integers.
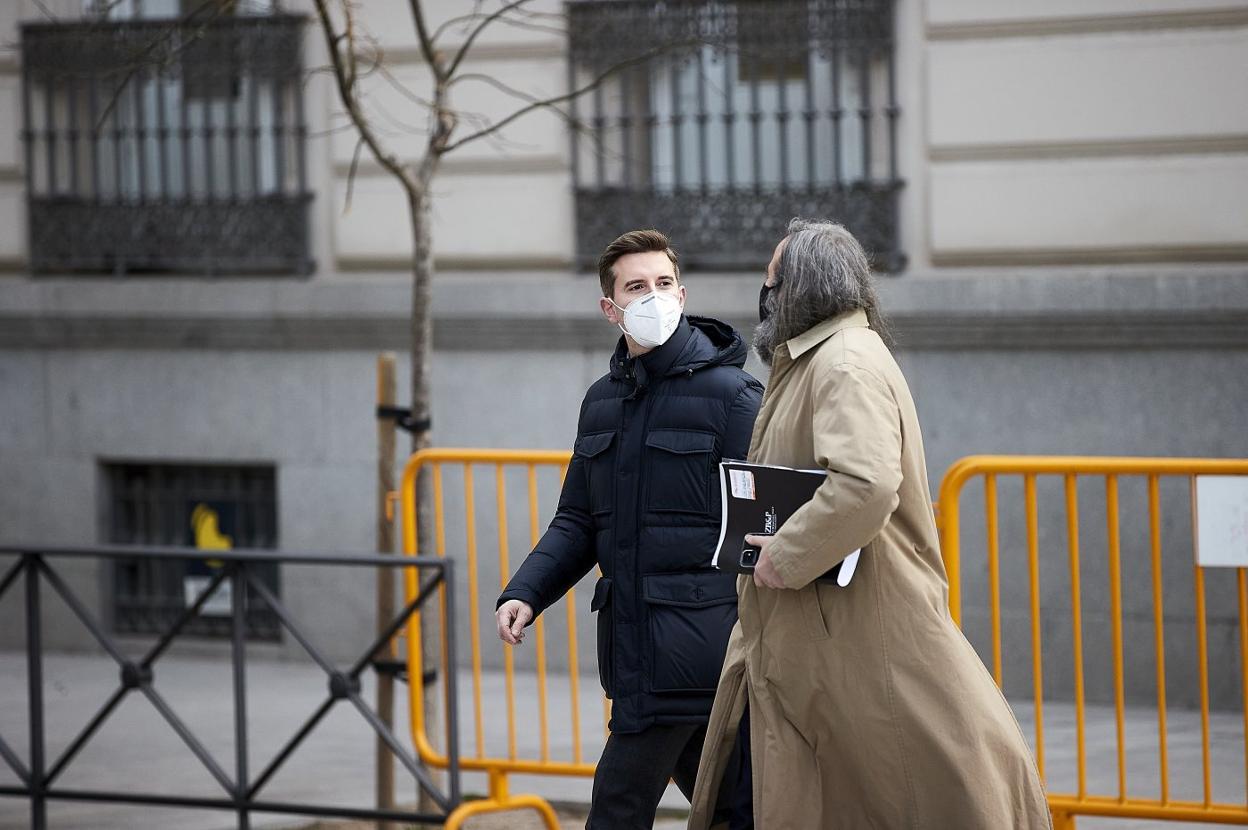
{"x": 41, "y": 6}
{"x": 143, "y": 59}
{"x": 490, "y": 80}
{"x": 573, "y": 122}
{"x": 463, "y": 18}
{"x": 549, "y": 103}
{"x": 480, "y": 27}
{"x": 426, "y": 42}
{"x": 350, "y": 101}
{"x": 349, "y": 39}
{"x": 326, "y": 133}
{"x": 401, "y": 127}
{"x": 510, "y": 21}
{"x": 402, "y": 89}
{"x": 355, "y": 163}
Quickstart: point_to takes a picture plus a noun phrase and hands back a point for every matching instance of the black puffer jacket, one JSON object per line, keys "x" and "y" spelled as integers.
{"x": 641, "y": 500}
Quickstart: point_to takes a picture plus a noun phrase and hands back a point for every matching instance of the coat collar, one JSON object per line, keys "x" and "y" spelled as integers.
{"x": 654, "y": 364}
{"x": 813, "y": 336}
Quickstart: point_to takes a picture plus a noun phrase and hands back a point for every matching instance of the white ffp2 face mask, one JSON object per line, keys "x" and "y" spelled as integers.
{"x": 650, "y": 320}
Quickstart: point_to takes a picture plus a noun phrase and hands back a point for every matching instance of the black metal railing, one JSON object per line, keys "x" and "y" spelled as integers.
{"x": 721, "y": 119}
{"x": 166, "y": 145}
{"x": 39, "y": 773}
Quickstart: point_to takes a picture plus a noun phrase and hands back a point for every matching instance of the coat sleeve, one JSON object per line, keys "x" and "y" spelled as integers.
{"x": 565, "y": 552}
{"x": 741, "y": 416}
{"x": 857, "y": 437}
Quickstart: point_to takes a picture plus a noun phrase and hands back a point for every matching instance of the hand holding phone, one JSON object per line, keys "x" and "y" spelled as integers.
{"x": 750, "y": 553}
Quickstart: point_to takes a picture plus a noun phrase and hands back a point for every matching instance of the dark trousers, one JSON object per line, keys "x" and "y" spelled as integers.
{"x": 737, "y": 792}
{"x": 634, "y": 770}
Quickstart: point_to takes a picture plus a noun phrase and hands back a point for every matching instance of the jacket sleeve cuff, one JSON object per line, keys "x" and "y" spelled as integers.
{"x": 523, "y": 595}
{"x": 786, "y": 564}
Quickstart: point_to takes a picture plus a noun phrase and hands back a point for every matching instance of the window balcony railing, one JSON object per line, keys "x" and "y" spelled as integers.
{"x": 721, "y": 119}
{"x": 166, "y": 146}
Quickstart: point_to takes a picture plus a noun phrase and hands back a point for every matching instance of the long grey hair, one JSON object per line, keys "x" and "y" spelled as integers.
{"x": 823, "y": 272}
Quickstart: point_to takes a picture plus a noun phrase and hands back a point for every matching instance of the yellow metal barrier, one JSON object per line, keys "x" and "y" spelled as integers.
{"x": 991, "y": 469}
{"x": 1065, "y": 806}
{"x": 497, "y": 768}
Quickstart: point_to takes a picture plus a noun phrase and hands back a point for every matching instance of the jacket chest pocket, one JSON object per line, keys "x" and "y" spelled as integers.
{"x": 680, "y": 470}
{"x": 599, "y": 469}
{"x": 691, "y": 616}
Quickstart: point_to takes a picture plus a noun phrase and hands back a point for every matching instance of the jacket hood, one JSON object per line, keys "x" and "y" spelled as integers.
{"x": 698, "y": 343}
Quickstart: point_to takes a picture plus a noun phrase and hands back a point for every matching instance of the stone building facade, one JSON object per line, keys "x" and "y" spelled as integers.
{"x": 1057, "y": 194}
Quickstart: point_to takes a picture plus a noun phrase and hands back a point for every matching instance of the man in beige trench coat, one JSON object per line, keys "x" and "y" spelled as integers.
{"x": 867, "y": 706}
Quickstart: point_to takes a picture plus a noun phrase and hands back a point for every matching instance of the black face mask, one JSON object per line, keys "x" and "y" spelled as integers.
{"x": 763, "y": 294}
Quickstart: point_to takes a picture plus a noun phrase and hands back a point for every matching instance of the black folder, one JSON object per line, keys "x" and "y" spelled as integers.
{"x": 758, "y": 499}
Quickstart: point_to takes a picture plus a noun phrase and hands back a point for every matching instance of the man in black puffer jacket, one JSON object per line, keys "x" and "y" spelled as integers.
{"x": 641, "y": 501}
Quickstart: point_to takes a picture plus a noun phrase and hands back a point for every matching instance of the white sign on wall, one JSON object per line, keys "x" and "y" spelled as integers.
{"x": 1221, "y": 521}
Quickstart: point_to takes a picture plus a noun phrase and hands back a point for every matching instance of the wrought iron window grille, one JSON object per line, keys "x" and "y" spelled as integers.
{"x": 155, "y": 504}
{"x": 721, "y": 119}
{"x": 166, "y": 145}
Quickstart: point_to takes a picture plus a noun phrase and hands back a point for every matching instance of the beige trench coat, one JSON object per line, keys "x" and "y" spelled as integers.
{"x": 868, "y": 708}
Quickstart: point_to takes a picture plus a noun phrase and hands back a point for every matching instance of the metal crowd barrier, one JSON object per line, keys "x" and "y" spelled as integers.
{"x": 1070, "y": 472}
{"x": 496, "y": 765}
{"x": 993, "y": 471}
{"x": 242, "y": 789}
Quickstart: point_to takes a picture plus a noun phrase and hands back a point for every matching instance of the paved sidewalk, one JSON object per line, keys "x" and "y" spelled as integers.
{"x": 136, "y": 750}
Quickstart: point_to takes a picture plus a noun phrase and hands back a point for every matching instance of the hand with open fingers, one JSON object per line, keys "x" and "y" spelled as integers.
{"x": 765, "y": 573}
{"x": 512, "y": 616}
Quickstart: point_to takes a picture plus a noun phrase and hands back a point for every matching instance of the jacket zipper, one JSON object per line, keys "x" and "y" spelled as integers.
{"x": 643, "y": 492}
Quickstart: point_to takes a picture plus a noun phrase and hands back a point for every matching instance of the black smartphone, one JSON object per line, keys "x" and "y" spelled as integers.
{"x": 749, "y": 554}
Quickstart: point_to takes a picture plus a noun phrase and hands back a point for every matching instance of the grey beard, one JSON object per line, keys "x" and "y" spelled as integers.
{"x": 765, "y": 340}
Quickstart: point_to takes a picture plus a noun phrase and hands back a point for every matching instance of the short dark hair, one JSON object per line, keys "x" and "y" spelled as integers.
{"x": 633, "y": 242}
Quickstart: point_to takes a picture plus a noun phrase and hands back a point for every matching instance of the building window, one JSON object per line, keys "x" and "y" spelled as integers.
{"x": 211, "y": 507}
{"x": 721, "y": 119}
{"x": 166, "y": 144}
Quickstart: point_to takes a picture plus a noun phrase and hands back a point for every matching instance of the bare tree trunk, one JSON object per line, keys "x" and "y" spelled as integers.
{"x": 355, "y": 56}
{"x": 420, "y": 208}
